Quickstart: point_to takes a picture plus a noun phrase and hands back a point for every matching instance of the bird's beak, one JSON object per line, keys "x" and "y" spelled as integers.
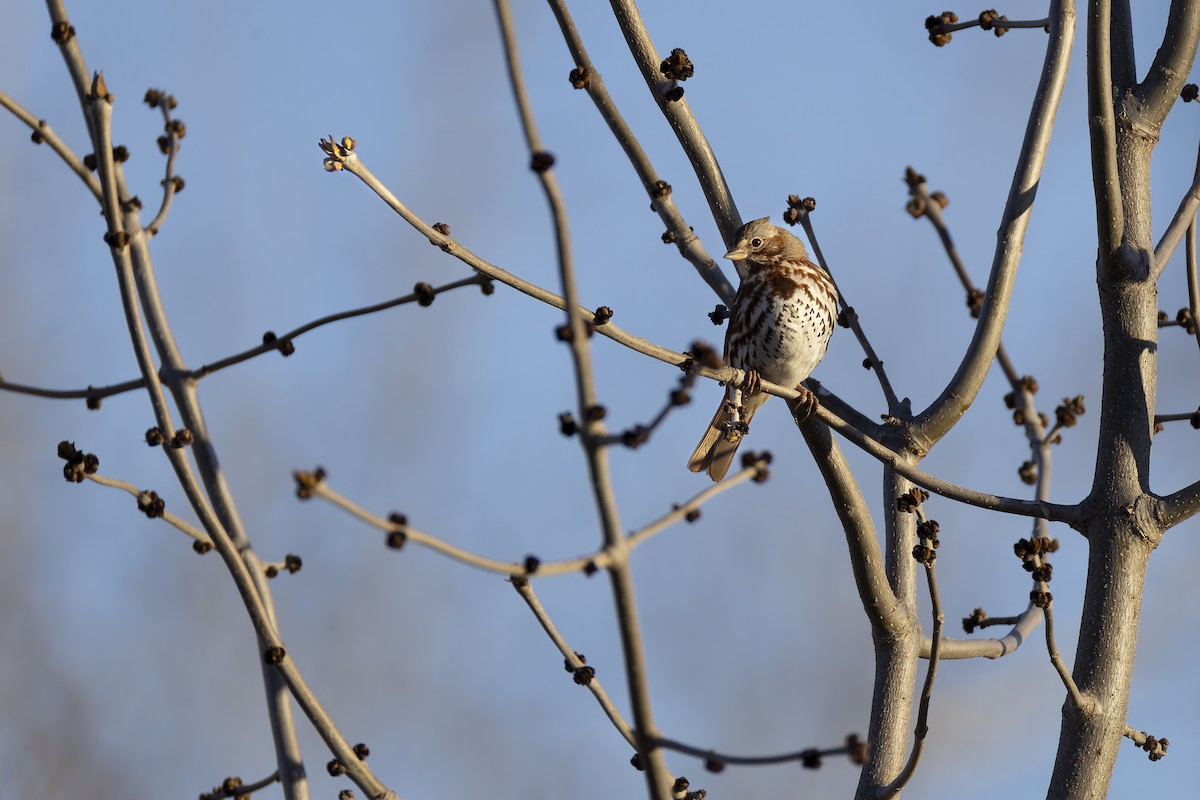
{"x": 737, "y": 253}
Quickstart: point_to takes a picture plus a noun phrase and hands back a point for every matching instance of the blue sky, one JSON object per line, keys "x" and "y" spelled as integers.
{"x": 133, "y": 656}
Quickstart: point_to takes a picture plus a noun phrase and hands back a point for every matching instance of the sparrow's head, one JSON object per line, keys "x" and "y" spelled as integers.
{"x": 759, "y": 240}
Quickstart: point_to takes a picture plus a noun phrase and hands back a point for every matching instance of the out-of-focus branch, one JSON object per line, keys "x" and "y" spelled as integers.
{"x": 233, "y": 787}
{"x": 142, "y": 496}
{"x": 592, "y": 430}
{"x": 43, "y": 134}
{"x": 574, "y": 661}
{"x": 423, "y": 295}
{"x": 399, "y": 532}
{"x": 856, "y": 750}
{"x": 679, "y": 233}
{"x": 934, "y": 422}
{"x": 173, "y": 132}
{"x": 679, "y": 115}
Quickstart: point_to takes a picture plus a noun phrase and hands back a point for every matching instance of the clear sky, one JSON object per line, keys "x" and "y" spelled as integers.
{"x": 128, "y": 666}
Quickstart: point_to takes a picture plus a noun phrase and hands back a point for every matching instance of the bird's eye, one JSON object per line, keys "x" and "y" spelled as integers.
{"x": 756, "y": 242}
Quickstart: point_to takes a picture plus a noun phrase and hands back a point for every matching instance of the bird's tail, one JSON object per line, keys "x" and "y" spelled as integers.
{"x": 717, "y": 448}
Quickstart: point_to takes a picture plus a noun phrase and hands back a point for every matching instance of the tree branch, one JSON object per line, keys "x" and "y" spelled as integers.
{"x": 681, "y": 234}
{"x": 934, "y": 422}
{"x": 679, "y": 115}
{"x": 1159, "y": 91}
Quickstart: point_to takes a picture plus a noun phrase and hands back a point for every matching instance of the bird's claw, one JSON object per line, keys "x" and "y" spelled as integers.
{"x": 805, "y": 405}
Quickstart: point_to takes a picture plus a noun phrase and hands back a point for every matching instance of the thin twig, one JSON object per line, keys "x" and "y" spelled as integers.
{"x": 166, "y": 516}
{"x": 658, "y": 777}
{"x": 1077, "y": 698}
{"x": 573, "y": 660}
{"x": 922, "y": 727}
{"x": 683, "y": 123}
{"x": 937, "y": 420}
{"x": 169, "y": 183}
{"x": 662, "y": 201}
{"x": 1193, "y": 284}
{"x": 43, "y": 133}
{"x": 235, "y": 788}
{"x": 854, "y": 748}
{"x": 275, "y": 343}
{"x": 601, "y": 559}
{"x": 848, "y": 314}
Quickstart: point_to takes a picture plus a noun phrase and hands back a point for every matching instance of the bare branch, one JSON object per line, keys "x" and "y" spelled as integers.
{"x": 922, "y": 728}
{"x": 802, "y": 208}
{"x": 679, "y": 115}
{"x": 933, "y": 423}
{"x": 1183, "y": 219}
{"x": 233, "y": 787}
{"x": 200, "y": 536}
{"x": 662, "y": 200}
{"x": 855, "y": 749}
{"x": 1172, "y": 63}
{"x": 658, "y": 778}
{"x": 314, "y": 484}
{"x": 43, "y": 133}
{"x": 271, "y": 342}
{"x": 1110, "y": 214}
{"x": 574, "y": 661}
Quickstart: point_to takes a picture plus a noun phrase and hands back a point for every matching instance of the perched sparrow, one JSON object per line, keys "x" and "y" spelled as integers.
{"x": 779, "y": 327}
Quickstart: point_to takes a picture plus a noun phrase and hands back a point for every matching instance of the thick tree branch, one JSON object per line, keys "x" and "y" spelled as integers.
{"x": 934, "y": 422}
{"x": 1159, "y": 91}
{"x": 1110, "y": 215}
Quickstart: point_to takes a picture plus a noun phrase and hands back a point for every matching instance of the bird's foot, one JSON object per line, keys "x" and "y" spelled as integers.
{"x": 805, "y": 404}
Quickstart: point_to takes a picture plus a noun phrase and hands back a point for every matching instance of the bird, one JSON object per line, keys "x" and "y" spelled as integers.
{"x": 779, "y": 328}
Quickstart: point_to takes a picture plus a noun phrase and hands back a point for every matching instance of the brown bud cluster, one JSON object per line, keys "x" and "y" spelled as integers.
{"x": 936, "y": 26}
{"x": 760, "y": 462}
{"x": 150, "y": 504}
{"x": 975, "y": 302}
{"x": 925, "y": 551}
{"x": 908, "y": 502}
{"x": 579, "y": 77}
{"x": 79, "y": 464}
{"x": 1157, "y": 748}
{"x": 1028, "y": 472}
{"x": 541, "y": 161}
{"x": 307, "y": 482}
{"x": 1069, "y": 412}
{"x": 1032, "y": 553}
{"x": 719, "y": 314}
{"x": 677, "y": 66}
{"x": 567, "y": 425}
{"x": 635, "y": 437}
{"x": 990, "y": 20}
{"x": 156, "y": 98}
{"x": 858, "y": 750}
{"x": 424, "y": 293}
{"x": 702, "y": 353}
{"x": 977, "y": 618}
{"x": 1190, "y": 92}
